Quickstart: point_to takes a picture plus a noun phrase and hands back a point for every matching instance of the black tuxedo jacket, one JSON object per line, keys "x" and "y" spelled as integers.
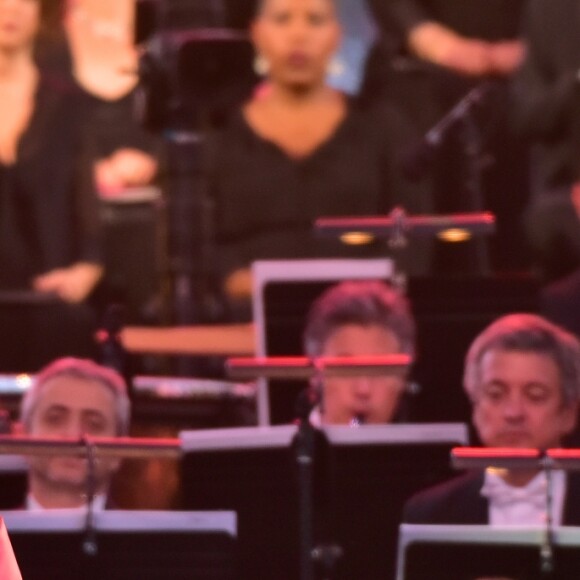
{"x": 459, "y": 502}
{"x": 546, "y": 89}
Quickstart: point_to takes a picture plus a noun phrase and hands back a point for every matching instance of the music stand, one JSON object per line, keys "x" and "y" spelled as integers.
{"x": 397, "y": 227}
{"x": 469, "y": 552}
{"x": 132, "y": 545}
{"x": 361, "y": 478}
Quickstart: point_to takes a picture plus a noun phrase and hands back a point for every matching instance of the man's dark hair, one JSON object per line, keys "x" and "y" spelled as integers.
{"x": 364, "y": 303}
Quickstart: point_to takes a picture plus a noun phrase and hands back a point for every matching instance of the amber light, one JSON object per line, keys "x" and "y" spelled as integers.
{"x": 357, "y": 238}
{"x": 454, "y": 235}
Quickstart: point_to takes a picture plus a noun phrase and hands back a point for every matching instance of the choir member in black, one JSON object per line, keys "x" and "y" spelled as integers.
{"x": 548, "y": 111}
{"x": 91, "y": 44}
{"x": 296, "y": 150}
{"x": 49, "y": 234}
{"x": 430, "y": 54}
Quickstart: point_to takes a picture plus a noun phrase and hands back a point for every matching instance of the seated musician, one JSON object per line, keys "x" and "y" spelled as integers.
{"x": 71, "y": 398}
{"x": 360, "y": 319}
{"x": 522, "y": 375}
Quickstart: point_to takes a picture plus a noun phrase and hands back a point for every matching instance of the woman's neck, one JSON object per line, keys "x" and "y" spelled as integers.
{"x": 17, "y": 66}
{"x": 296, "y": 98}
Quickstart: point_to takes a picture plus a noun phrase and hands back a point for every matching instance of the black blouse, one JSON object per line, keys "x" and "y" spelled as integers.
{"x": 48, "y": 207}
{"x": 112, "y": 124}
{"x": 266, "y": 201}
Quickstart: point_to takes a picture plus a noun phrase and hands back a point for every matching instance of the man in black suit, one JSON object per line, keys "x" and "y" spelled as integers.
{"x": 547, "y": 94}
{"x": 71, "y": 398}
{"x": 522, "y": 375}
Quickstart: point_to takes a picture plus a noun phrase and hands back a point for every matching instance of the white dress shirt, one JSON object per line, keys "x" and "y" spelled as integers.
{"x": 99, "y": 502}
{"x": 525, "y": 505}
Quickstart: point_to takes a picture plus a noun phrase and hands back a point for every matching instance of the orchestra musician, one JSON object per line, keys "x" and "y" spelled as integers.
{"x": 71, "y": 398}
{"x": 522, "y": 375}
{"x": 360, "y": 318}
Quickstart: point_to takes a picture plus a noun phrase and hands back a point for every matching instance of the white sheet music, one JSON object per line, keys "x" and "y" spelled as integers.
{"x": 281, "y": 436}
{"x": 122, "y": 521}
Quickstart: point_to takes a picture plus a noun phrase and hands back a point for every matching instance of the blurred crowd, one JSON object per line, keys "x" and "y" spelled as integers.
{"x": 338, "y": 122}
{"x": 345, "y": 92}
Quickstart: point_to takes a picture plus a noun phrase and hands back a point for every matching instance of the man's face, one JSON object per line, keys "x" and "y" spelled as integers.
{"x": 519, "y": 401}
{"x": 374, "y": 399}
{"x": 71, "y": 407}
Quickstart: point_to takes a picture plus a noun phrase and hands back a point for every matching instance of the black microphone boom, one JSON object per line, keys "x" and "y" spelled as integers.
{"x": 417, "y": 160}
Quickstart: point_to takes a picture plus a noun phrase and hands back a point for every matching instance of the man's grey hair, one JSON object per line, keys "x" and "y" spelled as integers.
{"x": 85, "y": 370}
{"x": 261, "y": 5}
{"x": 527, "y": 333}
{"x": 363, "y": 303}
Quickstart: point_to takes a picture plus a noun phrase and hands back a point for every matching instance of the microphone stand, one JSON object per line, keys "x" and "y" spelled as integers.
{"x": 417, "y": 161}
{"x": 547, "y": 549}
{"x": 304, "y": 445}
{"x": 90, "y": 546}
{"x": 482, "y": 458}
{"x": 471, "y": 136}
{"x": 304, "y": 448}
{"x": 325, "y": 556}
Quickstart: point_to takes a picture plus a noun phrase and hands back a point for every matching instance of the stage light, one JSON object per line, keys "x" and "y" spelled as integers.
{"x": 454, "y": 235}
{"x": 357, "y": 238}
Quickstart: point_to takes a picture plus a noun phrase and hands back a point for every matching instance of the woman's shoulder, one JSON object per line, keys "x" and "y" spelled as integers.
{"x": 64, "y": 97}
{"x": 62, "y": 89}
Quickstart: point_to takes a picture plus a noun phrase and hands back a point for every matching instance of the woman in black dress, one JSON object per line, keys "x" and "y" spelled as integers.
{"x": 49, "y": 232}
{"x": 297, "y": 150}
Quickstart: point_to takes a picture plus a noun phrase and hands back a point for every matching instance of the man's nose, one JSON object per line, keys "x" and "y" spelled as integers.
{"x": 73, "y": 428}
{"x": 514, "y": 408}
{"x": 362, "y": 387}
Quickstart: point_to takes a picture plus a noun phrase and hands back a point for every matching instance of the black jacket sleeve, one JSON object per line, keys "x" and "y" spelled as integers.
{"x": 545, "y": 87}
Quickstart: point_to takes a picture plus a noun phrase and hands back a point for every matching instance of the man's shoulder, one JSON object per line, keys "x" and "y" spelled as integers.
{"x": 456, "y": 501}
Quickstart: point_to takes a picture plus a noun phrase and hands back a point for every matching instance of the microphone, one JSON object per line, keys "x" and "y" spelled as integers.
{"x": 357, "y": 420}
{"x": 417, "y": 160}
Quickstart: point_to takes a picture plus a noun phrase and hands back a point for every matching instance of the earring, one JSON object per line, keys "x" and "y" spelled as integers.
{"x": 261, "y": 65}
{"x": 336, "y": 67}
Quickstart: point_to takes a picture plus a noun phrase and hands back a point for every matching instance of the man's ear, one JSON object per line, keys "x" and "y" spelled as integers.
{"x": 570, "y": 418}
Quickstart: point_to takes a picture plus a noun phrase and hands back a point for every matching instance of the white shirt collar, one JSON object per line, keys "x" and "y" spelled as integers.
{"x": 525, "y": 505}
{"x": 315, "y": 417}
{"x": 99, "y": 502}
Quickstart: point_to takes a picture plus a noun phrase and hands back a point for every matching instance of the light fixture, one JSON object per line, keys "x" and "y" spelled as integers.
{"x": 454, "y": 235}
{"x": 357, "y": 238}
